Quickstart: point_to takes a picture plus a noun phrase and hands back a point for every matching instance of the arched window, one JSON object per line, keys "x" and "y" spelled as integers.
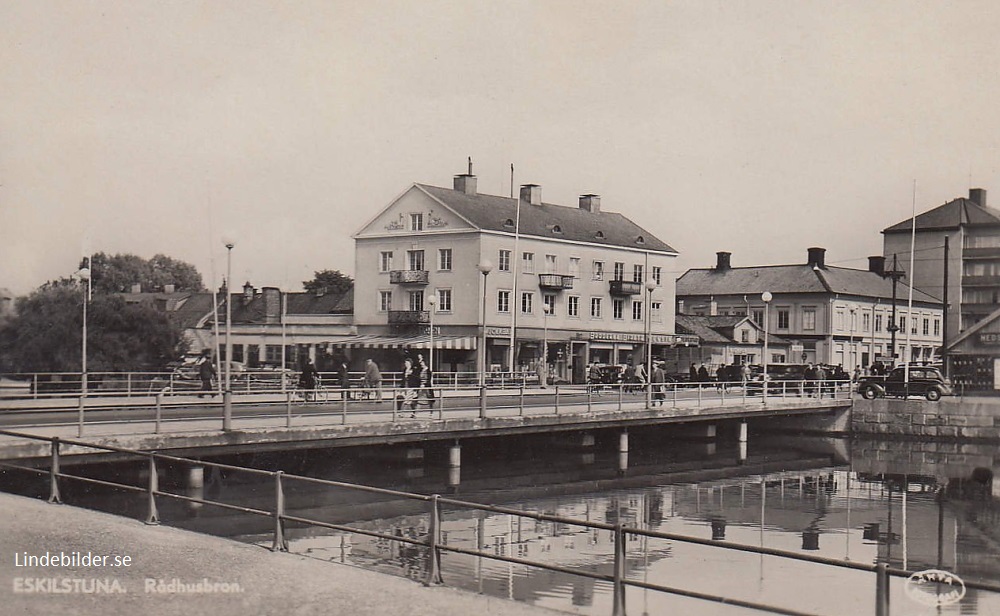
{"x": 556, "y": 229}
{"x": 640, "y": 240}
{"x": 509, "y": 222}
{"x": 599, "y": 235}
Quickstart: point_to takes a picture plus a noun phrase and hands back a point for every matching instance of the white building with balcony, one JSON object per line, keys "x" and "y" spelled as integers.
{"x": 584, "y": 267}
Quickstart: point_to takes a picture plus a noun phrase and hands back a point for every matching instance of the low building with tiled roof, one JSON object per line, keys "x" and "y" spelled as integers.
{"x": 831, "y": 315}
{"x": 588, "y": 266}
{"x": 723, "y": 340}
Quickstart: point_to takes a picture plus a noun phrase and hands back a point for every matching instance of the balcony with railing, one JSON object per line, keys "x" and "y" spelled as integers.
{"x": 408, "y": 277}
{"x": 409, "y": 317}
{"x": 981, "y": 281}
{"x": 624, "y": 287}
{"x": 555, "y": 281}
{"x": 991, "y": 252}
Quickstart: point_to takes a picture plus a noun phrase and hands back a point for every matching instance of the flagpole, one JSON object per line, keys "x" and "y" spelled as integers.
{"x": 909, "y": 301}
{"x": 515, "y": 303}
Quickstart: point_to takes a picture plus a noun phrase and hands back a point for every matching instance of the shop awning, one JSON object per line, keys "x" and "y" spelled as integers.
{"x": 464, "y": 343}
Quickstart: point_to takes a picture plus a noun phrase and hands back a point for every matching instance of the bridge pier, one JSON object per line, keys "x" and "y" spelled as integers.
{"x": 743, "y": 442}
{"x": 196, "y": 477}
{"x": 455, "y": 456}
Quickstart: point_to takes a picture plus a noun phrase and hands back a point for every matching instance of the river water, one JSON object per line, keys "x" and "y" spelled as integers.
{"x": 911, "y": 505}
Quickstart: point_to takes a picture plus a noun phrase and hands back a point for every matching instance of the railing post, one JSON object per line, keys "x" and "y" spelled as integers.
{"x": 620, "y": 390}
{"x": 395, "y": 404}
{"x": 227, "y": 411}
{"x": 159, "y": 411}
{"x": 676, "y": 385}
{"x": 280, "y": 544}
{"x": 618, "y": 598}
{"x": 724, "y": 393}
{"x": 699, "y": 394}
{"x": 79, "y": 430}
{"x": 288, "y": 409}
{"x": 34, "y": 386}
{"x": 589, "y": 401}
{"x": 881, "y": 590}
{"x": 556, "y": 403}
{"x": 152, "y": 516}
{"x": 343, "y": 408}
{"x": 128, "y": 385}
{"x": 433, "y": 539}
{"x": 521, "y": 409}
{"x": 54, "y": 496}
{"x": 482, "y": 402}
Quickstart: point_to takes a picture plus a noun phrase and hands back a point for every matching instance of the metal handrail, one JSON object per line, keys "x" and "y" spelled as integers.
{"x": 432, "y": 543}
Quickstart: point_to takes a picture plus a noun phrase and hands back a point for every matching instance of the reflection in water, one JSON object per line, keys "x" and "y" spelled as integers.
{"x": 909, "y": 505}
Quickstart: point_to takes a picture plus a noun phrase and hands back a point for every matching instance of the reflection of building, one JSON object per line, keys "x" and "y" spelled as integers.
{"x": 587, "y": 265}
{"x": 831, "y": 315}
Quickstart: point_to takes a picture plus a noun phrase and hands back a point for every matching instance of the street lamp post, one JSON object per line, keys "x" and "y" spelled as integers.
{"x": 432, "y": 302}
{"x": 84, "y": 274}
{"x": 853, "y": 351}
{"x": 766, "y": 297}
{"x": 545, "y": 345}
{"x": 484, "y": 267}
{"x": 650, "y": 286}
{"x": 227, "y": 396}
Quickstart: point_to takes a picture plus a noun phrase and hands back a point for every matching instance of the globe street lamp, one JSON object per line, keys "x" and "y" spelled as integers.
{"x": 650, "y": 286}
{"x": 227, "y": 396}
{"x": 432, "y": 302}
{"x": 484, "y": 267}
{"x": 84, "y": 274}
{"x": 766, "y": 297}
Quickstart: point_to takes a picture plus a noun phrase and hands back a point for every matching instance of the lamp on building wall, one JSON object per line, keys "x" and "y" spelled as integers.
{"x": 650, "y": 286}
{"x": 484, "y": 267}
{"x": 432, "y": 302}
{"x": 766, "y": 297}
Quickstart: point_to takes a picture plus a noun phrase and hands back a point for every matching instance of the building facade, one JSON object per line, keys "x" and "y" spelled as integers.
{"x": 571, "y": 279}
{"x": 829, "y": 315}
{"x": 972, "y": 267}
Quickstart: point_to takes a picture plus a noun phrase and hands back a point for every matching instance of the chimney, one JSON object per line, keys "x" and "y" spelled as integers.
{"x": 136, "y": 287}
{"x": 680, "y": 306}
{"x": 466, "y": 183}
{"x": 713, "y": 308}
{"x": 817, "y": 257}
{"x": 272, "y": 304}
{"x": 722, "y": 261}
{"x": 591, "y": 203}
{"x": 876, "y": 265}
{"x": 247, "y": 292}
{"x": 168, "y": 288}
{"x": 978, "y": 196}
{"x": 532, "y": 193}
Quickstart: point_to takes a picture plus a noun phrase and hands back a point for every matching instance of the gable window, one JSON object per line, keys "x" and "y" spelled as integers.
{"x": 528, "y": 262}
{"x": 444, "y": 259}
{"x": 384, "y": 301}
{"x": 618, "y": 309}
{"x": 444, "y": 300}
{"x": 503, "y": 301}
{"x": 744, "y": 336}
{"x": 385, "y": 261}
{"x": 416, "y": 259}
{"x": 636, "y": 273}
{"x": 503, "y": 262}
{"x": 598, "y": 270}
{"x": 416, "y": 222}
{"x": 595, "y": 307}
{"x": 573, "y": 305}
{"x": 527, "y": 299}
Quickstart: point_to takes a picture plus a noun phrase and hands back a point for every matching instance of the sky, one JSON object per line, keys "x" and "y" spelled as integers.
{"x": 757, "y": 127}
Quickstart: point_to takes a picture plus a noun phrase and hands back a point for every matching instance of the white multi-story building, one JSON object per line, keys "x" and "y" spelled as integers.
{"x": 585, "y": 267}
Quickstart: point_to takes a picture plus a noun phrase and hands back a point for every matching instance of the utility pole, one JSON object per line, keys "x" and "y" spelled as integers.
{"x": 944, "y": 324}
{"x": 895, "y": 274}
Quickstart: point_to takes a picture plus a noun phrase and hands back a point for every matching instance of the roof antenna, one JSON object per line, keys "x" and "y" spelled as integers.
{"x": 470, "y": 165}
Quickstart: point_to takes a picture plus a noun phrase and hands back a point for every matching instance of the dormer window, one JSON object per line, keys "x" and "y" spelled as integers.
{"x": 509, "y": 223}
{"x": 556, "y": 229}
{"x": 599, "y": 235}
{"x": 640, "y": 240}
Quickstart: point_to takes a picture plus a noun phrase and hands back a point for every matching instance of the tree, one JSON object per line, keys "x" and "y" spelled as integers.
{"x": 329, "y": 281}
{"x": 117, "y": 273}
{"x": 46, "y": 334}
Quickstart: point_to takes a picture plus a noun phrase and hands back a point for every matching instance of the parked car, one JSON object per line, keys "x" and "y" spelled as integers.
{"x": 923, "y": 381}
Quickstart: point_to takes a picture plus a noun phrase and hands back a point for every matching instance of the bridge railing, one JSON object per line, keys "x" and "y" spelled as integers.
{"x": 432, "y": 544}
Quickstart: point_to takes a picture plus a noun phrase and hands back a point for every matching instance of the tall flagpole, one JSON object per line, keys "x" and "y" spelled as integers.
{"x": 909, "y": 301}
{"x": 514, "y": 268}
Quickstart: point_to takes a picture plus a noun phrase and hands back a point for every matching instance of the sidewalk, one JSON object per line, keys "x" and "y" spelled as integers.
{"x": 269, "y": 583}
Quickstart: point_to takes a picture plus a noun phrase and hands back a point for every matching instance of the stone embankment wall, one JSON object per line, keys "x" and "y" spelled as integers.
{"x": 950, "y": 418}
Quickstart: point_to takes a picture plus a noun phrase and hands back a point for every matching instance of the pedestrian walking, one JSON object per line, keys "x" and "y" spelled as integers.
{"x": 703, "y": 374}
{"x": 345, "y": 380}
{"x": 594, "y": 378}
{"x": 308, "y": 380}
{"x": 640, "y": 377}
{"x": 206, "y": 372}
{"x": 373, "y": 380}
{"x": 411, "y": 383}
{"x": 426, "y": 383}
{"x": 658, "y": 378}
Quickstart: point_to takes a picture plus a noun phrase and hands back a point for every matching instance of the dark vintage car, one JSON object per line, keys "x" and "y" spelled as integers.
{"x": 924, "y": 381}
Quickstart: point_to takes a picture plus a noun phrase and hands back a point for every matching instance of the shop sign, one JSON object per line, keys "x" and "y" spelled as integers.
{"x": 989, "y": 338}
{"x": 498, "y": 332}
{"x": 620, "y": 337}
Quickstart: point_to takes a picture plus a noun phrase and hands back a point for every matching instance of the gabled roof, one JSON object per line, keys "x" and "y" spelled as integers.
{"x": 987, "y": 320}
{"x": 718, "y": 329}
{"x": 302, "y": 303}
{"x": 752, "y": 281}
{"x": 488, "y": 212}
{"x": 952, "y": 215}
